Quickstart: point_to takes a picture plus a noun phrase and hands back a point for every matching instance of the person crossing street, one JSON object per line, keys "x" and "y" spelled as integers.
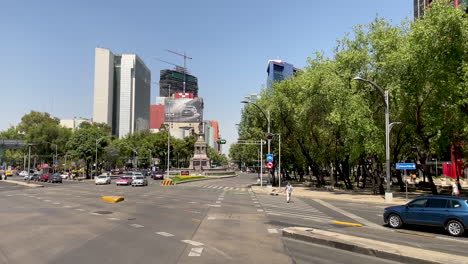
{"x": 288, "y": 189}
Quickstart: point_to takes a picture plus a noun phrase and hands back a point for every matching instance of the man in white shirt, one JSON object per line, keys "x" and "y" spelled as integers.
{"x": 288, "y": 189}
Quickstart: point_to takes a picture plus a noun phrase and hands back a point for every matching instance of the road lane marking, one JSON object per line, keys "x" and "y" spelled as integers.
{"x": 346, "y": 223}
{"x": 272, "y": 231}
{"x": 348, "y": 214}
{"x": 218, "y": 201}
{"x": 415, "y": 233}
{"x": 164, "y": 234}
{"x": 193, "y": 202}
{"x": 214, "y": 205}
{"x": 193, "y": 243}
{"x": 67, "y": 206}
{"x": 196, "y": 220}
{"x": 47, "y": 201}
{"x": 56, "y": 203}
{"x": 211, "y": 217}
{"x": 195, "y": 252}
{"x": 113, "y": 219}
{"x": 137, "y": 225}
{"x": 259, "y": 210}
{"x": 94, "y": 214}
{"x": 79, "y": 209}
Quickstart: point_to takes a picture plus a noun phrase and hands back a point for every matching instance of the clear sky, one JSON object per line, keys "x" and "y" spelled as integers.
{"x": 48, "y": 46}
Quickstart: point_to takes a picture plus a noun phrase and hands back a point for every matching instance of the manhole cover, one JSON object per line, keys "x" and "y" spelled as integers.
{"x": 103, "y": 212}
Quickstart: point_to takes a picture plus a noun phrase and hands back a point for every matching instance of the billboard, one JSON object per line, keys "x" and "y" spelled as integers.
{"x": 183, "y": 110}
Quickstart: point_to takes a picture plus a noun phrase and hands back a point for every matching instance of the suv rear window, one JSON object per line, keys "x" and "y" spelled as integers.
{"x": 454, "y": 204}
{"x": 437, "y": 203}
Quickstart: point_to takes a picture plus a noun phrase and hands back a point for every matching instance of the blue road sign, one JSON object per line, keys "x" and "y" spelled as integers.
{"x": 56, "y": 162}
{"x": 405, "y": 166}
{"x": 269, "y": 157}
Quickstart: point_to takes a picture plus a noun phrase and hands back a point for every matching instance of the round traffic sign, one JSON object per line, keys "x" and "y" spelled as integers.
{"x": 269, "y": 164}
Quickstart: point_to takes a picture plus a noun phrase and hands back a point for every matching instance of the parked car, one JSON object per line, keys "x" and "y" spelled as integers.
{"x": 124, "y": 180}
{"x": 449, "y": 212}
{"x": 64, "y": 175}
{"x": 23, "y": 173}
{"x": 139, "y": 180}
{"x": 55, "y": 178}
{"x": 102, "y": 179}
{"x": 36, "y": 177}
{"x": 157, "y": 175}
{"x": 44, "y": 177}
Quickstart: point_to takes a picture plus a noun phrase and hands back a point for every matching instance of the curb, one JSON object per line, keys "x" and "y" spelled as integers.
{"x": 30, "y": 185}
{"x": 304, "y": 234}
{"x": 211, "y": 178}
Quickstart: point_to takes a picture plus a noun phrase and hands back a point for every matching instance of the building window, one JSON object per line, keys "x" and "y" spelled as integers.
{"x": 278, "y": 68}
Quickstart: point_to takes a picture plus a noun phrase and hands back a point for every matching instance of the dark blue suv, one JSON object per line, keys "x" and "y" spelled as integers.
{"x": 446, "y": 211}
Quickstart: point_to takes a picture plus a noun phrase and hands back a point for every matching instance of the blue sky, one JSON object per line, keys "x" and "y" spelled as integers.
{"x": 48, "y": 46}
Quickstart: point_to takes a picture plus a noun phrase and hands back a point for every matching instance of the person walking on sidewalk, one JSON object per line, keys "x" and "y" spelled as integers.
{"x": 455, "y": 191}
{"x": 288, "y": 189}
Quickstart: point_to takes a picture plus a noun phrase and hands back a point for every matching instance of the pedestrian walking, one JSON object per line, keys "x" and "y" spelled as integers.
{"x": 288, "y": 189}
{"x": 455, "y": 190}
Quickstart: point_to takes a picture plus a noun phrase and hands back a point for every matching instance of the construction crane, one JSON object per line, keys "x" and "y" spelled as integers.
{"x": 185, "y": 61}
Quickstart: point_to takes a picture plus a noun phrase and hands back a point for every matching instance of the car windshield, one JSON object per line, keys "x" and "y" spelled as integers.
{"x": 102, "y": 177}
{"x": 139, "y": 177}
{"x": 125, "y": 178}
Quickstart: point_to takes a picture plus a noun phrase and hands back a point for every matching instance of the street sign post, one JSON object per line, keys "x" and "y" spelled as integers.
{"x": 406, "y": 166}
{"x": 269, "y": 164}
{"x": 269, "y": 157}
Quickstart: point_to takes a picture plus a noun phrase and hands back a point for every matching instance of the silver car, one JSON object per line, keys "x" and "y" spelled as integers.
{"x": 139, "y": 180}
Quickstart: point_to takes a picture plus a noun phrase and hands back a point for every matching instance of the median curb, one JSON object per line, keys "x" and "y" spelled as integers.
{"x": 371, "y": 247}
{"x": 30, "y": 185}
{"x": 205, "y": 179}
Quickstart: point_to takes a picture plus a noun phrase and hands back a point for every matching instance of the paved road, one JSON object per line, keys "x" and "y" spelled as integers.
{"x": 215, "y": 221}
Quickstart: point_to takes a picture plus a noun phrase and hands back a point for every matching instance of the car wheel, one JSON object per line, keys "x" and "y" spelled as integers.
{"x": 394, "y": 221}
{"x": 454, "y": 228}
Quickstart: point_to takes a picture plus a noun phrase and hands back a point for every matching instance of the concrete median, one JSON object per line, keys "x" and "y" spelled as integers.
{"x": 372, "y": 247}
{"x": 31, "y": 185}
{"x": 113, "y": 199}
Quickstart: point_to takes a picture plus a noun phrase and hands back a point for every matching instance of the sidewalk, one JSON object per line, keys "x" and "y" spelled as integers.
{"x": 32, "y": 185}
{"x": 401, "y": 251}
{"x": 335, "y": 195}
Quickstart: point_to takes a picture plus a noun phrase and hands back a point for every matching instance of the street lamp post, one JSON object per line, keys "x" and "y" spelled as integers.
{"x": 97, "y": 141}
{"x": 388, "y": 127}
{"x": 267, "y": 116}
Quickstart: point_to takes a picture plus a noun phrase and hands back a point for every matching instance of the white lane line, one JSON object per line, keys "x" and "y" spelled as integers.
{"x": 94, "y": 214}
{"x": 231, "y": 188}
{"x": 214, "y": 205}
{"x": 165, "y": 234}
{"x": 255, "y": 202}
{"x": 47, "y": 201}
{"x": 67, "y": 206}
{"x": 272, "y": 231}
{"x": 79, "y": 209}
{"x": 56, "y": 203}
{"x": 348, "y": 214}
{"x": 259, "y": 210}
{"x": 195, "y": 252}
{"x": 218, "y": 201}
{"x": 113, "y": 219}
{"x": 137, "y": 225}
{"x": 193, "y": 202}
{"x": 211, "y": 217}
{"x": 193, "y": 243}
{"x": 380, "y": 215}
{"x": 258, "y": 205}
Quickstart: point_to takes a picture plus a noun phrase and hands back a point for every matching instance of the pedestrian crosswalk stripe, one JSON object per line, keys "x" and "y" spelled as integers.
{"x": 274, "y": 205}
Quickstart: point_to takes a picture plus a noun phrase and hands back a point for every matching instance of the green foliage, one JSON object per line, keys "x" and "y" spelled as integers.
{"x": 329, "y": 122}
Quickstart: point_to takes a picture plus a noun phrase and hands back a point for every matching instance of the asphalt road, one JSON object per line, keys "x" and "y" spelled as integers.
{"x": 214, "y": 221}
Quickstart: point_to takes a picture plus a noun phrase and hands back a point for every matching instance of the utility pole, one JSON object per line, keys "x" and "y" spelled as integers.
{"x": 185, "y": 62}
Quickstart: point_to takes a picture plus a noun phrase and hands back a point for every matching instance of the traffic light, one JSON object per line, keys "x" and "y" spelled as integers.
{"x": 222, "y": 141}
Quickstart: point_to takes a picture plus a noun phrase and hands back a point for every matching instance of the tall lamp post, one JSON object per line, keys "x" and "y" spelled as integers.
{"x": 388, "y": 127}
{"x": 97, "y": 141}
{"x": 267, "y": 116}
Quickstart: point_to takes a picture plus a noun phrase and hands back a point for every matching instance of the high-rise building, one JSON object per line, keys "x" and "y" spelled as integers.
{"x": 420, "y": 5}
{"x": 172, "y": 81}
{"x": 122, "y": 88}
{"x": 74, "y": 123}
{"x": 279, "y": 70}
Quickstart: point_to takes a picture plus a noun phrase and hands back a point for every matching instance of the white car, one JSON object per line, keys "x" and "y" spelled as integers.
{"x": 102, "y": 179}
{"x": 139, "y": 180}
{"x": 64, "y": 176}
{"x": 23, "y": 173}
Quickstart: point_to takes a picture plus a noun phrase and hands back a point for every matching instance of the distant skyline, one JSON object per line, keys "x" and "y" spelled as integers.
{"x": 48, "y": 47}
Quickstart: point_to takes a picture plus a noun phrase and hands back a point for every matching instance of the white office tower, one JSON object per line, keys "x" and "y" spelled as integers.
{"x": 122, "y": 87}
